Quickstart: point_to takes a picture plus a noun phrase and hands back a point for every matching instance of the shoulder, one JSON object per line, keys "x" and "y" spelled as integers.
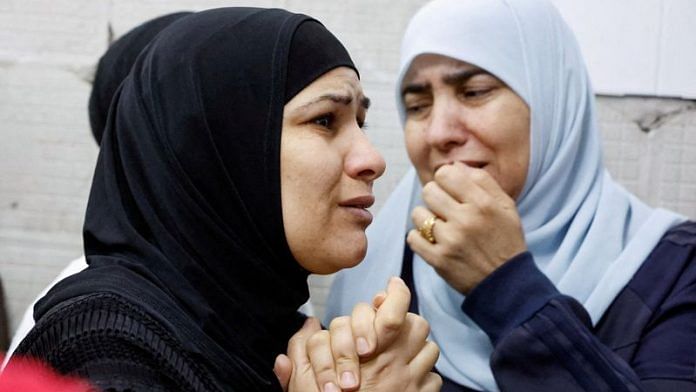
{"x": 683, "y": 234}
{"x": 115, "y": 344}
{"x": 669, "y": 269}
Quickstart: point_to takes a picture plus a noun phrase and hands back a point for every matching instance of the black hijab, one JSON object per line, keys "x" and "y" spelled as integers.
{"x": 115, "y": 65}
{"x": 184, "y": 216}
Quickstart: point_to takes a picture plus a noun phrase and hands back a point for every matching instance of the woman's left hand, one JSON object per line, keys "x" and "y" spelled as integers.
{"x": 478, "y": 228}
{"x": 294, "y": 371}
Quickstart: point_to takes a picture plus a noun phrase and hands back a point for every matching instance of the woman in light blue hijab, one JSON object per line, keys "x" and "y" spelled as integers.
{"x": 535, "y": 269}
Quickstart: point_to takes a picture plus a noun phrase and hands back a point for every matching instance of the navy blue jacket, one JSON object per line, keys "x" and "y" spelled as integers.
{"x": 544, "y": 340}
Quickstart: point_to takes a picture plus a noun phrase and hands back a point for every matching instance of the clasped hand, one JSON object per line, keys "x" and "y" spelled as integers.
{"x": 380, "y": 347}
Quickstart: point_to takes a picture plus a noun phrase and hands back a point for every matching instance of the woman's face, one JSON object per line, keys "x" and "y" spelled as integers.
{"x": 458, "y": 112}
{"x": 327, "y": 168}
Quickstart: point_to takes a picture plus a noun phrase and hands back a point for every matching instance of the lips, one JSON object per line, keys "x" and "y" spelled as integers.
{"x": 357, "y": 208}
{"x": 365, "y": 201}
{"x": 470, "y": 163}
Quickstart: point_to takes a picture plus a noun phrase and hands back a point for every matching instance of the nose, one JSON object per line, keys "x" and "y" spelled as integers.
{"x": 446, "y": 128}
{"x": 363, "y": 161}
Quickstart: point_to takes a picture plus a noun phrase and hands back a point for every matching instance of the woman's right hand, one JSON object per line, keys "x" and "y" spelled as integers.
{"x": 378, "y": 348}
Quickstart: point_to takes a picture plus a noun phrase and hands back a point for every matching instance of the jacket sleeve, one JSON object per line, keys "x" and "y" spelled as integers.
{"x": 544, "y": 341}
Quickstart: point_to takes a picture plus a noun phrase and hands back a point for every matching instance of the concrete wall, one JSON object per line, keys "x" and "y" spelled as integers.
{"x": 48, "y": 49}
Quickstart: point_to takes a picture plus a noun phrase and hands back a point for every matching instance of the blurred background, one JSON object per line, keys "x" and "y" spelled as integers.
{"x": 641, "y": 55}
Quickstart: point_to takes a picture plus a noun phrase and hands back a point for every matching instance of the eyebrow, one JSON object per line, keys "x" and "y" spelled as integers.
{"x": 453, "y": 79}
{"x": 342, "y": 99}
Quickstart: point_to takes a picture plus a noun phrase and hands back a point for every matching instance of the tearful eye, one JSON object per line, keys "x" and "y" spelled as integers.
{"x": 476, "y": 93}
{"x": 413, "y": 109}
{"x": 417, "y": 111}
{"x": 324, "y": 121}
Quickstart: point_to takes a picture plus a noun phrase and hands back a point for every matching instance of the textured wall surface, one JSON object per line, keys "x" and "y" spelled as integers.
{"x": 48, "y": 50}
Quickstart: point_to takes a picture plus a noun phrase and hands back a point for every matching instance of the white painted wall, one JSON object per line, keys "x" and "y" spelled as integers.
{"x": 638, "y": 47}
{"x": 49, "y": 47}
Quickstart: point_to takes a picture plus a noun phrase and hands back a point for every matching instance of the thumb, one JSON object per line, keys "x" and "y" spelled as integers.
{"x": 283, "y": 370}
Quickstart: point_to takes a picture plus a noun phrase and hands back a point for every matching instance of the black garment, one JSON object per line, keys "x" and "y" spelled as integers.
{"x": 544, "y": 341}
{"x": 115, "y": 65}
{"x": 184, "y": 221}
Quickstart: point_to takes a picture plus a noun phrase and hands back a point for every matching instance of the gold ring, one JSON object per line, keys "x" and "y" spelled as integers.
{"x": 426, "y": 229}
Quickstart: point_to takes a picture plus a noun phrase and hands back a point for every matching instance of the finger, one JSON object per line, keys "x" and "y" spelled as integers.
{"x": 423, "y": 247}
{"x": 420, "y": 214}
{"x": 283, "y": 370}
{"x": 302, "y": 372}
{"x": 379, "y": 298}
{"x": 483, "y": 179}
{"x": 362, "y": 322}
{"x": 413, "y": 336}
{"x": 425, "y": 360}
{"x": 432, "y": 383}
{"x": 459, "y": 181}
{"x": 391, "y": 315}
{"x": 344, "y": 353}
{"x": 415, "y": 331}
{"x": 297, "y": 344}
{"x": 321, "y": 359}
{"x": 441, "y": 203}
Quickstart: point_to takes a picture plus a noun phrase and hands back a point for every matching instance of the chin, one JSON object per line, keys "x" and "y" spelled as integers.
{"x": 357, "y": 254}
{"x": 347, "y": 254}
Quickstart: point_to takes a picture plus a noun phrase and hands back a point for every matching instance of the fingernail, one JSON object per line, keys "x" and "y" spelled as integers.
{"x": 331, "y": 387}
{"x": 348, "y": 380}
{"x": 363, "y": 347}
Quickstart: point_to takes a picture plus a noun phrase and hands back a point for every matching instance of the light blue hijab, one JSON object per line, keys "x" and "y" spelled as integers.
{"x": 586, "y": 232}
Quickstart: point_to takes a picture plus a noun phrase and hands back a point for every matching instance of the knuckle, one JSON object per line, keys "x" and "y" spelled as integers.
{"x": 478, "y": 175}
{"x": 429, "y": 188}
{"x": 294, "y": 340}
{"x": 486, "y": 205}
{"x": 362, "y": 308}
{"x": 410, "y": 237}
{"x": 318, "y": 340}
{"x": 339, "y": 323}
{"x": 436, "y": 380}
{"x": 345, "y": 362}
{"x": 390, "y": 323}
{"x": 442, "y": 173}
{"x": 414, "y": 214}
{"x": 420, "y": 325}
{"x": 446, "y": 237}
{"x": 470, "y": 222}
{"x": 414, "y": 238}
{"x": 435, "y": 348}
{"x": 324, "y": 371}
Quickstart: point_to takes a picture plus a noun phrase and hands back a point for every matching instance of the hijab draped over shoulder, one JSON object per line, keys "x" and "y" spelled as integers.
{"x": 585, "y": 232}
{"x": 184, "y": 216}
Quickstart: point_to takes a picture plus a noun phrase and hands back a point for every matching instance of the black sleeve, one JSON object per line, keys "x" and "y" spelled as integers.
{"x": 132, "y": 371}
{"x": 114, "y": 347}
{"x": 544, "y": 341}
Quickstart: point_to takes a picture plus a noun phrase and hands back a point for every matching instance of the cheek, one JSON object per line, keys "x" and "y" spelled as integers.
{"x": 512, "y": 148}
{"x": 418, "y": 152}
{"x": 307, "y": 191}
{"x": 315, "y": 231}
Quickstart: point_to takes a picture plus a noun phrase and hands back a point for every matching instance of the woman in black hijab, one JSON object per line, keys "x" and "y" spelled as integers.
{"x": 200, "y": 229}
